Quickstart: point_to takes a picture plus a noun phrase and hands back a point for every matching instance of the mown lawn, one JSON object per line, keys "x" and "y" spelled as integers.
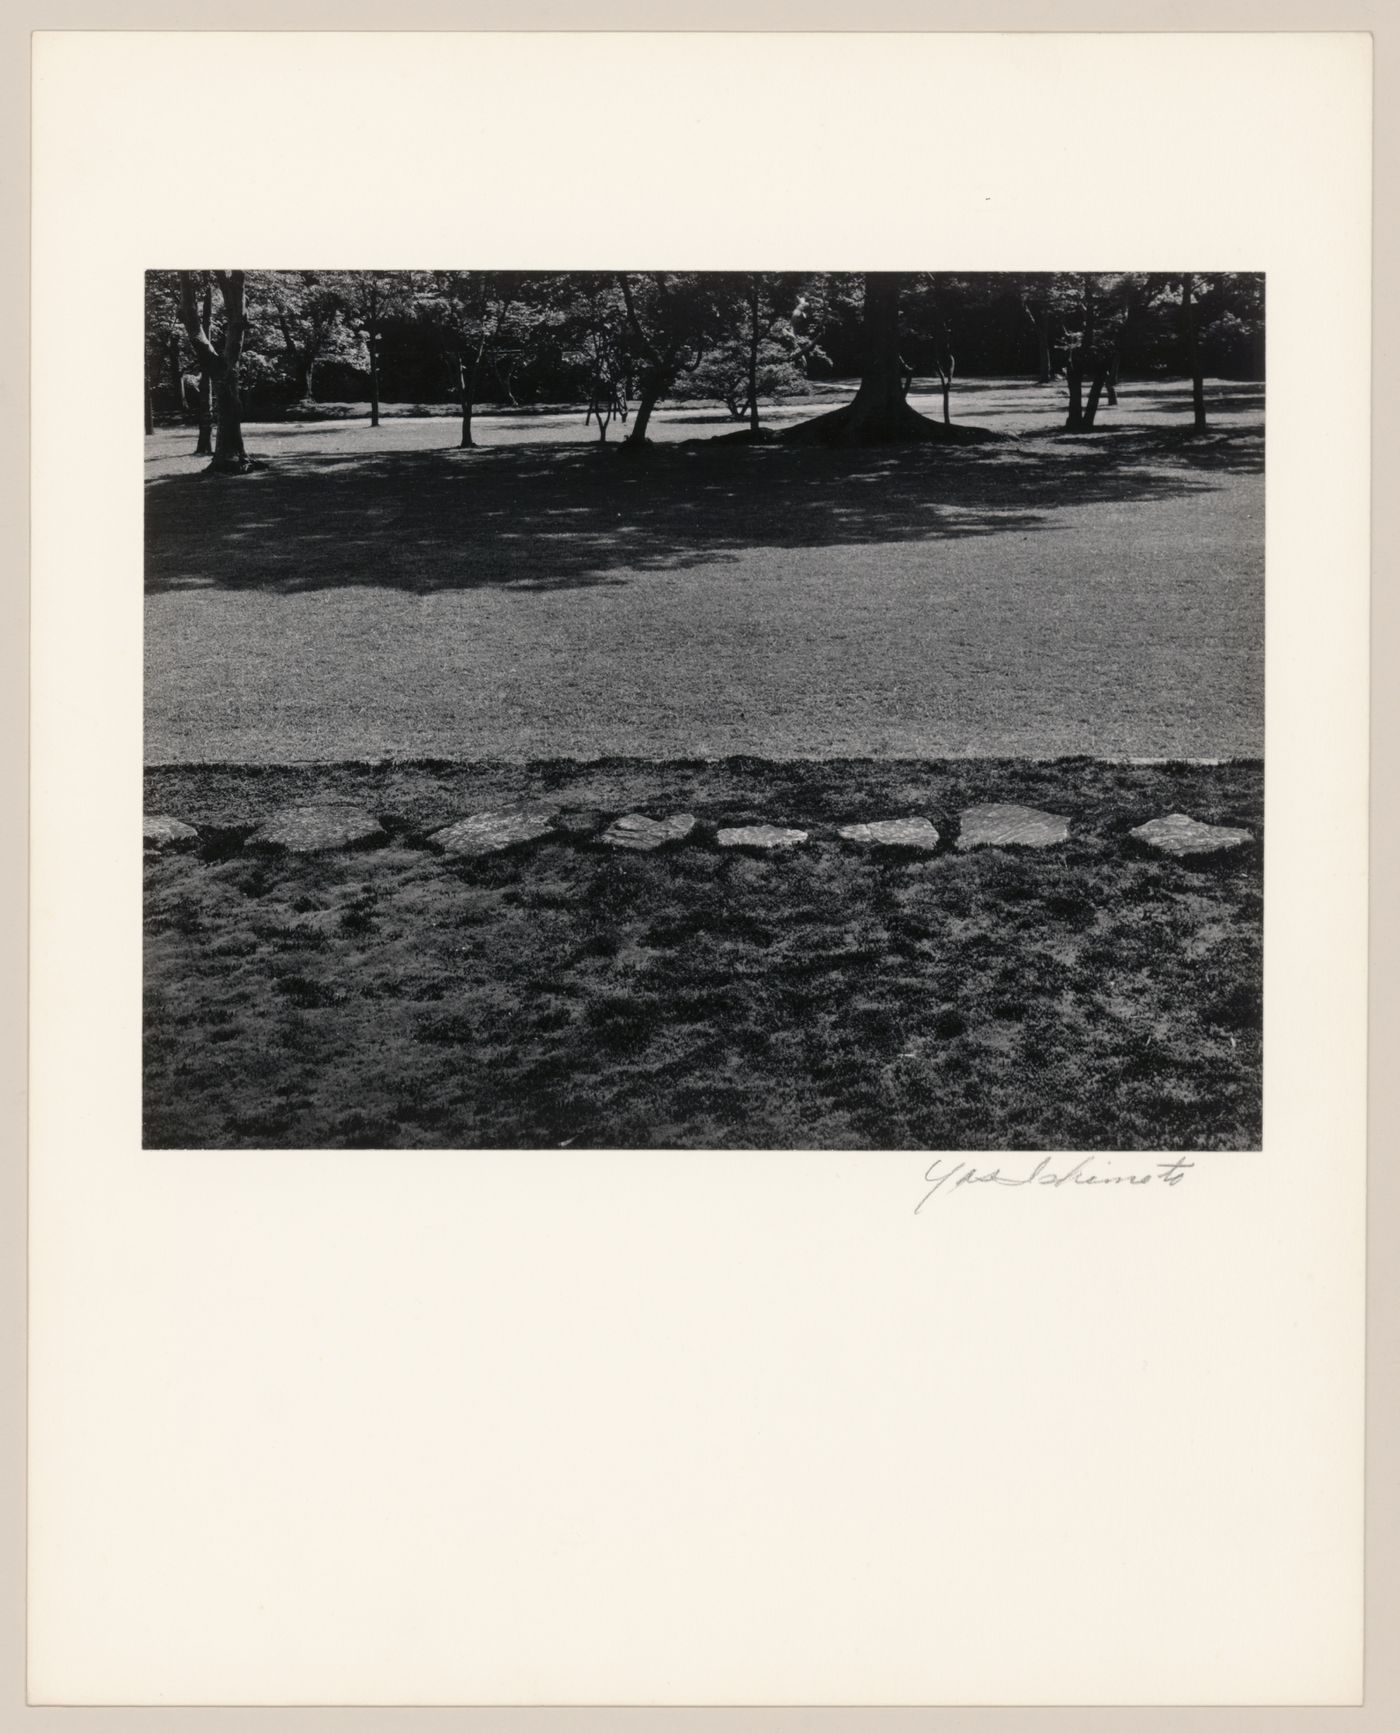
{"x": 1091, "y": 996}
{"x": 379, "y": 592}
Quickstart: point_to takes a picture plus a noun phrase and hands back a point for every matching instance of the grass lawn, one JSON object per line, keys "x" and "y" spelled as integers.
{"x": 377, "y": 592}
{"x": 1090, "y": 996}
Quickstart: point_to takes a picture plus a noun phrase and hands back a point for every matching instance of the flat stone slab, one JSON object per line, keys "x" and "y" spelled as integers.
{"x": 488, "y": 832}
{"x": 308, "y": 829}
{"x": 634, "y": 831}
{"x": 158, "y": 831}
{"x": 893, "y": 833}
{"x": 1178, "y": 834}
{"x": 1022, "y": 826}
{"x": 759, "y": 836}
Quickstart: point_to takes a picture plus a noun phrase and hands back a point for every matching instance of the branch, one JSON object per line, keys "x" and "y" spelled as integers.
{"x": 207, "y": 354}
{"x": 634, "y": 322}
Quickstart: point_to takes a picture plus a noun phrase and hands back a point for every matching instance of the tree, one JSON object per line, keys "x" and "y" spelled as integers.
{"x": 588, "y": 319}
{"x": 770, "y": 299}
{"x": 1036, "y": 297}
{"x": 879, "y": 413}
{"x": 1191, "y": 334}
{"x": 934, "y": 302}
{"x": 368, "y": 300}
{"x": 468, "y": 310}
{"x": 305, "y": 307}
{"x": 1096, "y": 312}
{"x": 204, "y": 390}
{"x": 222, "y": 361}
{"x": 671, "y": 320}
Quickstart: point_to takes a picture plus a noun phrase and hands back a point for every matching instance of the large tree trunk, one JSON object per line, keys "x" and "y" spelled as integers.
{"x": 204, "y": 446}
{"x": 228, "y": 445}
{"x": 229, "y": 455}
{"x": 1193, "y": 354}
{"x": 879, "y": 414}
{"x": 373, "y": 378}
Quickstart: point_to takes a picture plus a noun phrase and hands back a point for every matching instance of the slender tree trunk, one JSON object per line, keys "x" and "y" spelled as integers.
{"x": 650, "y": 395}
{"x": 150, "y": 414}
{"x": 466, "y": 385}
{"x": 204, "y": 446}
{"x": 1110, "y": 383}
{"x": 1193, "y": 354}
{"x": 1096, "y": 385}
{"x": 373, "y": 378}
{"x": 753, "y": 354}
{"x": 945, "y": 379}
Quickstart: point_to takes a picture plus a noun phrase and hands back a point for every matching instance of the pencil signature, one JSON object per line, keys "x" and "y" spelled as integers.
{"x": 1088, "y": 1170}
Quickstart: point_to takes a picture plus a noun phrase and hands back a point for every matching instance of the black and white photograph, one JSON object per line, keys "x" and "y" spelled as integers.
{"x": 649, "y": 709}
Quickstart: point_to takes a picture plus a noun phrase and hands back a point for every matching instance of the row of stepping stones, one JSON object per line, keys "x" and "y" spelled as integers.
{"x": 310, "y": 829}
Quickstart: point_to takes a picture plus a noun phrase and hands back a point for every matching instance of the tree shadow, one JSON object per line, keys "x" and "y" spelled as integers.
{"x": 537, "y": 517}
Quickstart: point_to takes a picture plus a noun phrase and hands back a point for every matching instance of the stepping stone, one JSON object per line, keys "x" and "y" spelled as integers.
{"x": 759, "y": 836}
{"x": 893, "y": 833}
{"x": 159, "y": 831}
{"x": 634, "y": 831}
{"x": 489, "y": 832}
{"x": 1024, "y": 826}
{"x": 1178, "y": 834}
{"x": 309, "y": 829}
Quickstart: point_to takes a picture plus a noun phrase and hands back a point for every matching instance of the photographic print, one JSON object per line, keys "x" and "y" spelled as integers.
{"x": 660, "y": 709}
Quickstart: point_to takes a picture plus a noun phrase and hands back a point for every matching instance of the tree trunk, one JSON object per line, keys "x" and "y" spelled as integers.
{"x": 222, "y": 365}
{"x": 753, "y": 356}
{"x": 1074, "y": 379}
{"x": 466, "y": 385}
{"x": 173, "y": 352}
{"x": 1096, "y": 385}
{"x": 373, "y": 379}
{"x": 1110, "y": 383}
{"x": 204, "y": 446}
{"x": 150, "y": 416}
{"x": 228, "y": 445}
{"x": 879, "y": 414}
{"x": 650, "y": 396}
{"x": 1193, "y": 354}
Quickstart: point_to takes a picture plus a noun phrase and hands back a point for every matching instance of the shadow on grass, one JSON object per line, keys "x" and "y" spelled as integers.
{"x": 547, "y": 518}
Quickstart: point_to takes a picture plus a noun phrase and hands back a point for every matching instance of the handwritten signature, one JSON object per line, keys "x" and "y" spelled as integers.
{"x": 1085, "y": 1171}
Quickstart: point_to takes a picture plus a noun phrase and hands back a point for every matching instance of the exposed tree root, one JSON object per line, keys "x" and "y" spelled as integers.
{"x": 883, "y": 424}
